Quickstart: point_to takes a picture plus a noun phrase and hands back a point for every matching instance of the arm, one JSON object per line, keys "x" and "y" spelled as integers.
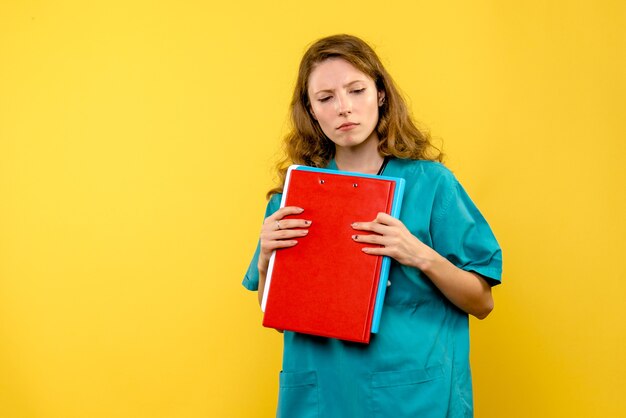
{"x": 278, "y": 233}
{"x": 467, "y": 290}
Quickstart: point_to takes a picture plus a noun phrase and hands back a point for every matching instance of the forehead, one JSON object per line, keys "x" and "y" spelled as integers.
{"x": 333, "y": 73}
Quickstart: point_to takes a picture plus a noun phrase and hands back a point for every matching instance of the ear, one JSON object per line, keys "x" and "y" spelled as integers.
{"x": 381, "y": 97}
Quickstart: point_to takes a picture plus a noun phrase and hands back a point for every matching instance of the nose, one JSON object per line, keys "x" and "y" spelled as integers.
{"x": 344, "y": 105}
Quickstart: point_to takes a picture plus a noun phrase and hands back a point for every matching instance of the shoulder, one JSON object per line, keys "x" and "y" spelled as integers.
{"x": 431, "y": 173}
{"x": 275, "y": 199}
{"x": 423, "y": 166}
{"x": 273, "y": 204}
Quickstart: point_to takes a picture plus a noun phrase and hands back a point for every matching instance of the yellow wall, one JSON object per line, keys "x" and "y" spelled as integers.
{"x": 136, "y": 142}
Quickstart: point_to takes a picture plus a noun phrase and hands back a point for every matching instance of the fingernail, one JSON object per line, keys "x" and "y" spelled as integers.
{"x": 300, "y": 210}
{"x": 307, "y": 222}
{"x": 355, "y": 237}
{"x": 353, "y": 224}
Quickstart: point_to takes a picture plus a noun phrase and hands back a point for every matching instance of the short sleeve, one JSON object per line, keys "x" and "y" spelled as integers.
{"x": 462, "y": 235}
{"x": 251, "y": 279}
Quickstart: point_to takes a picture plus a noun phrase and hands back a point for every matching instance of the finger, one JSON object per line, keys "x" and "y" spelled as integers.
{"x": 376, "y": 251}
{"x": 282, "y": 212}
{"x": 292, "y": 223}
{"x": 371, "y": 226}
{"x": 369, "y": 239}
{"x": 277, "y": 245}
{"x": 285, "y": 234}
{"x": 386, "y": 219}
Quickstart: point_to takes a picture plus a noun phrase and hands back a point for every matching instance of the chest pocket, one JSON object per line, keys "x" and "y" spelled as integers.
{"x": 298, "y": 395}
{"x": 410, "y": 393}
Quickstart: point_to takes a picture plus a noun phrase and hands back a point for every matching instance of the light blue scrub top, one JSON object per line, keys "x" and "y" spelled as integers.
{"x": 418, "y": 363}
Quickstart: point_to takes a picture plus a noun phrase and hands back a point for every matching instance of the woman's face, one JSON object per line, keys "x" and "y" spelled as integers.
{"x": 345, "y": 103}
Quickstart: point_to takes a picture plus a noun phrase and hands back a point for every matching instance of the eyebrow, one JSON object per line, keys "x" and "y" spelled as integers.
{"x": 345, "y": 85}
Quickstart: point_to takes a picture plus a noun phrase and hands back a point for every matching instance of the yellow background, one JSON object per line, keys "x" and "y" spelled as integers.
{"x": 136, "y": 145}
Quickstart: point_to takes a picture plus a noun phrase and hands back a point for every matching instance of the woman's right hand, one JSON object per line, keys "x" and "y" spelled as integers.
{"x": 280, "y": 233}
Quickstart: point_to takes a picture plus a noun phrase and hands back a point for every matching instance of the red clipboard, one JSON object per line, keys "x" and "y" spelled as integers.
{"x": 325, "y": 285}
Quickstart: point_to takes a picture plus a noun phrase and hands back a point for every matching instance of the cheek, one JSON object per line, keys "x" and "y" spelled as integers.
{"x": 372, "y": 106}
{"x": 322, "y": 115}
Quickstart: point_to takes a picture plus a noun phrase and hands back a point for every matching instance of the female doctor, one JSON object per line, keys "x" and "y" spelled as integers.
{"x": 348, "y": 115}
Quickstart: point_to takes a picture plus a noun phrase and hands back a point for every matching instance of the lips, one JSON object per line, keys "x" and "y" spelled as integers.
{"x": 346, "y": 126}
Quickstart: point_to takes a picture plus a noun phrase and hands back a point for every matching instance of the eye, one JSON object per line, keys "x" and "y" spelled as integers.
{"x": 359, "y": 91}
{"x": 324, "y": 99}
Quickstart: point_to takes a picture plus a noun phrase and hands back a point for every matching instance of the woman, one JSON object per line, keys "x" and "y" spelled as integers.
{"x": 348, "y": 115}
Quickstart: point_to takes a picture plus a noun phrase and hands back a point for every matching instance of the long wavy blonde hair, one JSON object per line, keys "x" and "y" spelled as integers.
{"x": 306, "y": 143}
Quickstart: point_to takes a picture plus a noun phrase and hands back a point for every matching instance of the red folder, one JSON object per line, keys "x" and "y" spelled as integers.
{"x": 325, "y": 285}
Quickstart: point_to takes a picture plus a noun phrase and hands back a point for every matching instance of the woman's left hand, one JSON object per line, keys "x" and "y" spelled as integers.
{"x": 396, "y": 240}
{"x": 466, "y": 289}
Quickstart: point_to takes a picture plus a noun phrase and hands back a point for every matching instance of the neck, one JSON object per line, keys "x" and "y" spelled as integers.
{"x": 361, "y": 159}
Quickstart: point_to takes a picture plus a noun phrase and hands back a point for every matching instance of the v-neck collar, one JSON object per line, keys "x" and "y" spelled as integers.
{"x": 332, "y": 165}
